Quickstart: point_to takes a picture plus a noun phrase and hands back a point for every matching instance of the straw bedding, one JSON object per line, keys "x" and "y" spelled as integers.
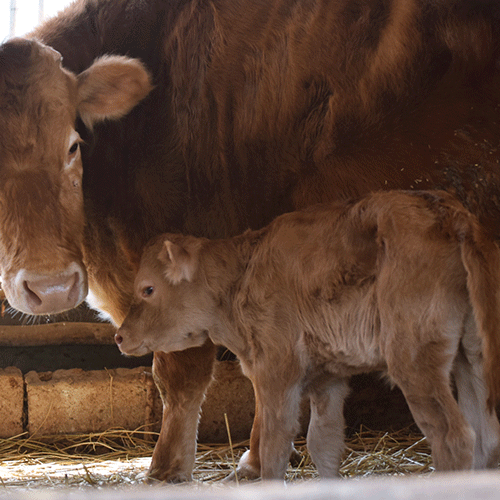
{"x": 118, "y": 458}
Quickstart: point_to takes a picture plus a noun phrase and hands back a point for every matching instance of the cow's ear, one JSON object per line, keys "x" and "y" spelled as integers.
{"x": 110, "y": 88}
{"x": 180, "y": 262}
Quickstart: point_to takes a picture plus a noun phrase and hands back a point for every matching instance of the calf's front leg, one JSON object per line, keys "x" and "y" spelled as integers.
{"x": 249, "y": 464}
{"x": 279, "y": 426}
{"x": 182, "y": 379}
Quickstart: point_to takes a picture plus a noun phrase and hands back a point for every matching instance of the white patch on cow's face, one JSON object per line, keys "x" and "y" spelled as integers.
{"x": 98, "y": 305}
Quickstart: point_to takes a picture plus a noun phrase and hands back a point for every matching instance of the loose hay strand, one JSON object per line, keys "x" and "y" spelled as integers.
{"x": 231, "y": 448}
{"x": 119, "y": 457}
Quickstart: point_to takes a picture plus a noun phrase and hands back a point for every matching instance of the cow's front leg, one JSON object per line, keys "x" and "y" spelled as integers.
{"x": 182, "y": 379}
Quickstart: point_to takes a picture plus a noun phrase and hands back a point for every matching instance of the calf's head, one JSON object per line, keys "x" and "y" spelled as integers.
{"x": 41, "y": 200}
{"x": 172, "y": 307}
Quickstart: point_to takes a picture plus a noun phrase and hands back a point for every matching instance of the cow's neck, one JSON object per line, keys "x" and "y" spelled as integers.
{"x": 89, "y": 29}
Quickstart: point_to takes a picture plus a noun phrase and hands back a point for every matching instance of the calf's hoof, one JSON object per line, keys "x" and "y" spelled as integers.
{"x": 244, "y": 470}
{"x": 155, "y": 476}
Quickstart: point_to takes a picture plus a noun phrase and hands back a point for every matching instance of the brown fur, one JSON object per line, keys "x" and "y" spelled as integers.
{"x": 258, "y": 107}
{"x": 42, "y": 207}
{"x": 406, "y": 283}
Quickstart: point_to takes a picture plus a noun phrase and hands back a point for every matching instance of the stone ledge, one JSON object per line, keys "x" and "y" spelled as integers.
{"x": 11, "y": 402}
{"x": 78, "y": 401}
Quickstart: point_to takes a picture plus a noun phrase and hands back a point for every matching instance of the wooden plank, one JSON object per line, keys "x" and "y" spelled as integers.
{"x": 64, "y": 333}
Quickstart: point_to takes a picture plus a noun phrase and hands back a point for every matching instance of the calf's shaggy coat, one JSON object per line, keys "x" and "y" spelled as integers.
{"x": 405, "y": 283}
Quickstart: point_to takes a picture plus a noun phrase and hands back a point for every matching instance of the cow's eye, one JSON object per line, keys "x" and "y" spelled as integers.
{"x": 147, "y": 291}
{"x": 74, "y": 148}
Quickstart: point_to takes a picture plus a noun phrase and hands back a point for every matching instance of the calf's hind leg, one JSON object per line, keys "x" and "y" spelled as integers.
{"x": 472, "y": 396}
{"x": 436, "y": 412}
{"x": 249, "y": 464}
{"x": 325, "y": 436}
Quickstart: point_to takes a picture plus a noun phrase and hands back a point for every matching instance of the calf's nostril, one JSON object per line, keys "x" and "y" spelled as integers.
{"x": 118, "y": 338}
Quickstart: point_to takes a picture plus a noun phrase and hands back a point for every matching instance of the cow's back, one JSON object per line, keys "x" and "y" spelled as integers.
{"x": 289, "y": 103}
{"x": 326, "y": 100}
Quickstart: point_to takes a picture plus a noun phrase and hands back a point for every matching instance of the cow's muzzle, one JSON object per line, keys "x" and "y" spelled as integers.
{"x": 36, "y": 293}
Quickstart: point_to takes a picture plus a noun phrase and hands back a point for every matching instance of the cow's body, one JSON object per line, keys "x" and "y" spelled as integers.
{"x": 260, "y": 107}
{"x": 407, "y": 284}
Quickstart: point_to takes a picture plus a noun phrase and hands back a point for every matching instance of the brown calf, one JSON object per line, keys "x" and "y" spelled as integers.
{"x": 405, "y": 283}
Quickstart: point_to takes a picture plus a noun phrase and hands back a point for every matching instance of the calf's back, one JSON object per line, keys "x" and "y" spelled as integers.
{"x": 346, "y": 281}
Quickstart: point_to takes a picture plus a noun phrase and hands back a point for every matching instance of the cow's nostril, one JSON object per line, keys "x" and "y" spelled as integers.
{"x": 32, "y": 296}
{"x": 118, "y": 338}
{"x": 74, "y": 289}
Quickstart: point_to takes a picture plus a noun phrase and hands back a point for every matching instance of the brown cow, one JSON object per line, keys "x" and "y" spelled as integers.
{"x": 404, "y": 283}
{"x": 258, "y": 107}
{"x": 45, "y": 275}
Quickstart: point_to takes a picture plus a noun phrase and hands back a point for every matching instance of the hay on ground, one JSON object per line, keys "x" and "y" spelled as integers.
{"x": 119, "y": 458}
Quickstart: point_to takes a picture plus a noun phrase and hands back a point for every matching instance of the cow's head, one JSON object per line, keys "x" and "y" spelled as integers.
{"x": 173, "y": 307}
{"x": 41, "y": 201}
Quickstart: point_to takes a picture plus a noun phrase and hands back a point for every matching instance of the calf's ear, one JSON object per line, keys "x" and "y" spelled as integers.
{"x": 110, "y": 88}
{"x": 180, "y": 263}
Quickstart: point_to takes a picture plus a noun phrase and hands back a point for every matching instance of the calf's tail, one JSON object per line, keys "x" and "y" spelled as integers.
{"x": 481, "y": 259}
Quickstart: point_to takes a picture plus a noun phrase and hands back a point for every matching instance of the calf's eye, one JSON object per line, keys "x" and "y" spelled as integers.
{"x": 147, "y": 291}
